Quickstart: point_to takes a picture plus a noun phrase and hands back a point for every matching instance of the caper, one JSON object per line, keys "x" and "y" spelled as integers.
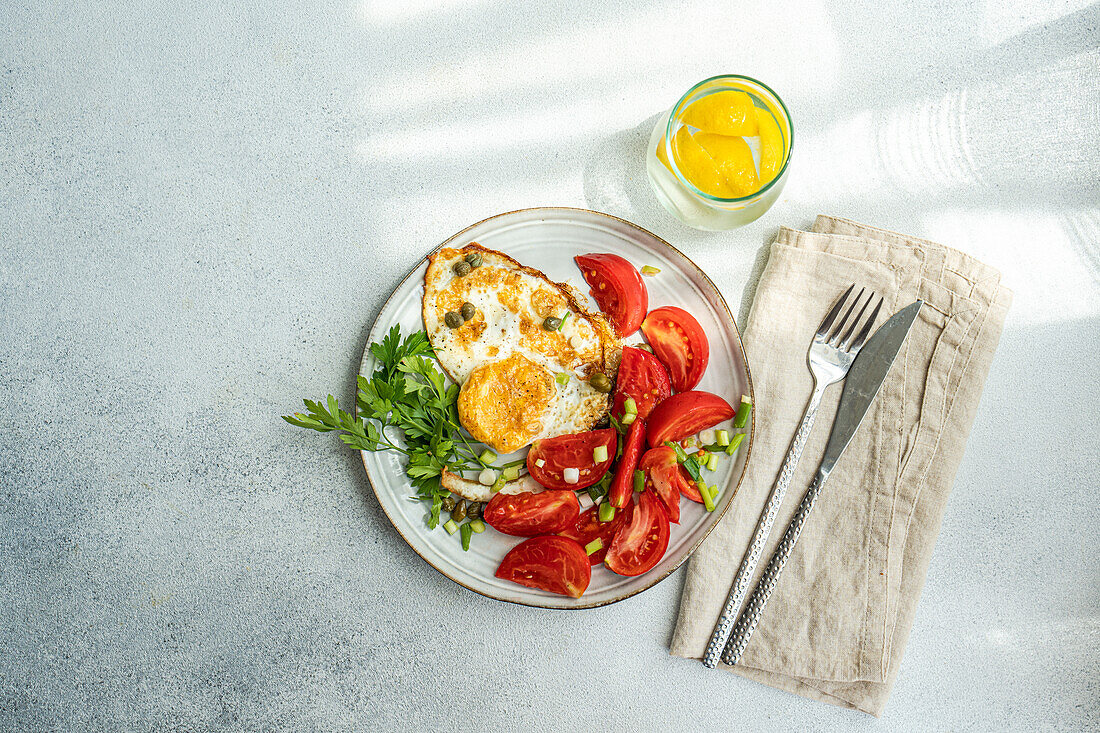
{"x": 448, "y": 503}
{"x": 474, "y": 258}
{"x": 462, "y": 268}
{"x": 473, "y": 510}
{"x": 551, "y": 323}
{"x": 468, "y": 311}
{"x": 459, "y": 512}
{"x": 600, "y": 382}
{"x": 453, "y": 319}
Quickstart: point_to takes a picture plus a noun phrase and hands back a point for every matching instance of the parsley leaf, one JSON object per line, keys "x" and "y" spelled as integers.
{"x": 408, "y": 396}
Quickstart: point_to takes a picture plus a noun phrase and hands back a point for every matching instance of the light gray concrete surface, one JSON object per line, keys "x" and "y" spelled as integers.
{"x": 202, "y": 208}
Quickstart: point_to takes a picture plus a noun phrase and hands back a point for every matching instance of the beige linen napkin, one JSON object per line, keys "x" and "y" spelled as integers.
{"x": 837, "y": 623}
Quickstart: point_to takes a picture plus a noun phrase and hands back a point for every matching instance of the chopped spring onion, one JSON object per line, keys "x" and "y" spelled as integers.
{"x": 599, "y": 453}
{"x": 706, "y": 436}
{"x": 563, "y": 320}
{"x": 571, "y": 475}
{"x": 450, "y": 526}
{"x": 712, "y": 462}
{"x": 704, "y": 491}
{"x": 741, "y": 419}
{"x": 511, "y": 473}
{"x": 598, "y": 490}
{"x": 562, "y": 378}
{"x": 692, "y": 467}
{"x": 498, "y": 484}
{"x": 639, "y": 480}
{"x": 607, "y": 512}
{"x": 487, "y": 456}
{"x": 650, "y": 270}
{"x": 680, "y": 455}
{"x": 734, "y": 443}
{"x": 467, "y": 533}
{"x": 487, "y": 477}
{"x": 714, "y": 491}
{"x": 477, "y": 526}
{"x": 539, "y": 462}
{"x": 628, "y": 418}
{"x": 630, "y": 407}
{"x": 723, "y": 437}
{"x": 594, "y": 546}
{"x": 691, "y": 442}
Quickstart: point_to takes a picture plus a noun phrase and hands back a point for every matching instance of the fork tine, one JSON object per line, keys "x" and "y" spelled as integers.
{"x": 840, "y": 326}
{"x": 858, "y": 343}
{"x": 855, "y": 322}
{"x": 828, "y": 322}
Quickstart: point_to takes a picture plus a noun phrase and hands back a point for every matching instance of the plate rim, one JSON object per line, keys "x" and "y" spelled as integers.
{"x": 748, "y": 377}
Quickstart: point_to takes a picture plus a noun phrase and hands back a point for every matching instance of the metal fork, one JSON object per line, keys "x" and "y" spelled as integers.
{"x": 832, "y": 351}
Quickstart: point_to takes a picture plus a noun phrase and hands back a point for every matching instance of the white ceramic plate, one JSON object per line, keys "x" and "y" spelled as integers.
{"x": 548, "y": 239}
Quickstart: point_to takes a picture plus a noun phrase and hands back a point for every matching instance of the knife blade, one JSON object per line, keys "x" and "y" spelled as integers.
{"x": 864, "y": 379}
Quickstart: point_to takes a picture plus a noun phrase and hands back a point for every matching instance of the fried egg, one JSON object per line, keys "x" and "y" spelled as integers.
{"x": 519, "y": 381}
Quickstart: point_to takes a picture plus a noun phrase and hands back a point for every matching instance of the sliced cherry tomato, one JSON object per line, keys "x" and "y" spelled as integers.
{"x": 528, "y": 514}
{"x": 640, "y": 545}
{"x": 623, "y": 483}
{"x": 668, "y": 479}
{"x": 643, "y": 377}
{"x": 551, "y": 563}
{"x": 691, "y": 491}
{"x": 686, "y": 414}
{"x": 678, "y": 341}
{"x": 589, "y": 528}
{"x": 618, "y": 289}
{"x": 574, "y": 450}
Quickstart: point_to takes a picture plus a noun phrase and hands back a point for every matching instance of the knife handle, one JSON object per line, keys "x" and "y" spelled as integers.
{"x": 741, "y": 582}
{"x": 746, "y": 624}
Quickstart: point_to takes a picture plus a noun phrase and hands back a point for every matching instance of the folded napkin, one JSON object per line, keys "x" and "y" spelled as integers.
{"x": 837, "y": 623}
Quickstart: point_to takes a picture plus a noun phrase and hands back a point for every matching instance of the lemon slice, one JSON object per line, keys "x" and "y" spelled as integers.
{"x": 725, "y": 113}
{"x": 734, "y": 160}
{"x": 697, "y": 165}
{"x": 772, "y": 150}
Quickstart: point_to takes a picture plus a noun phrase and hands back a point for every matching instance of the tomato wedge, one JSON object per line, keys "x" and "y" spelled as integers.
{"x": 642, "y": 377}
{"x": 639, "y": 545}
{"x": 665, "y": 475}
{"x": 551, "y": 563}
{"x": 571, "y": 451}
{"x": 678, "y": 341}
{"x": 589, "y": 528}
{"x": 686, "y": 414}
{"x": 618, "y": 289}
{"x": 623, "y": 484}
{"x": 528, "y": 514}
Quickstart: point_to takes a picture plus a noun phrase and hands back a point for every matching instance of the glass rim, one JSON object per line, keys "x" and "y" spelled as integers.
{"x": 691, "y": 186}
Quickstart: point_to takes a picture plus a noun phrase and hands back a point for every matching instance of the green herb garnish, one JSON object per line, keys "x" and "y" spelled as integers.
{"x": 734, "y": 443}
{"x": 741, "y": 419}
{"x": 407, "y": 394}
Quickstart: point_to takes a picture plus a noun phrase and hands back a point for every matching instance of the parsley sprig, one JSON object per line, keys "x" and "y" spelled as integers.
{"x": 405, "y": 395}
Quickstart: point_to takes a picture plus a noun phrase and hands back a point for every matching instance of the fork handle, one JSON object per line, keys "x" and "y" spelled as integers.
{"x": 742, "y": 631}
{"x": 763, "y": 529}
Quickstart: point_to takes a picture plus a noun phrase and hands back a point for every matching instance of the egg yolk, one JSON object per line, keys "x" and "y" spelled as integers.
{"x": 502, "y": 403}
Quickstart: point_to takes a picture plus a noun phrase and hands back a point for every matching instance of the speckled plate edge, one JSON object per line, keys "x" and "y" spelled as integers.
{"x": 541, "y": 601}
